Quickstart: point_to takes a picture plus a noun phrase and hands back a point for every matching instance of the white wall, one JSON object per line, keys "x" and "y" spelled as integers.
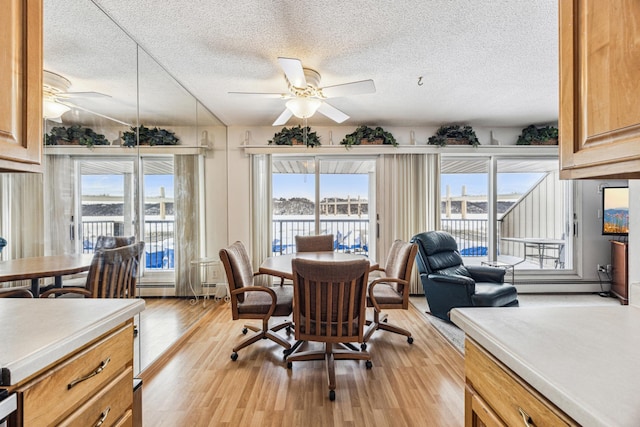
{"x": 596, "y": 247}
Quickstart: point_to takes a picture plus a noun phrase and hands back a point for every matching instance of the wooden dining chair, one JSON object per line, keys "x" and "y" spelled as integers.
{"x": 320, "y": 243}
{"x": 15, "y": 293}
{"x": 249, "y": 301}
{"x": 102, "y": 242}
{"x": 391, "y": 291}
{"x": 110, "y": 242}
{"x": 112, "y": 274}
{"x": 329, "y": 307}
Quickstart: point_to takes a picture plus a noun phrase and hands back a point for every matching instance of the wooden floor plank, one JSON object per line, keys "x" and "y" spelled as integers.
{"x": 409, "y": 385}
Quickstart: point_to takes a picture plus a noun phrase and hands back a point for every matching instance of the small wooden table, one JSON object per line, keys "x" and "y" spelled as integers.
{"x": 35, "y": 268}
{"x": 280, "y": 266}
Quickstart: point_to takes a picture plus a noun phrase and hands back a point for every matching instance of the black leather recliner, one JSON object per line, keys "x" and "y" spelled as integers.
{"x": 447, "y": 283}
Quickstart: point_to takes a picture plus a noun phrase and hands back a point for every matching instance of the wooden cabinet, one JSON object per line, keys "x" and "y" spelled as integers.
{"x": 620, "y": 271}
{"x": 495, "y": 396}
{"x": 93, "y": 386}
{"x": 21, "y": 86}
{"x": 599, "y": 117}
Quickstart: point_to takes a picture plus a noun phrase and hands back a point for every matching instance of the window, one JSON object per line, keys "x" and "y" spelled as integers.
{"x": 106, "y": 189}
{"x": 315, "y": 195}
{"x": 518, "y": 214}
{"x": 158, "y": 213}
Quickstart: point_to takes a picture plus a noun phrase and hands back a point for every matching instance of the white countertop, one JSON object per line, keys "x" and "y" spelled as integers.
{"x": 36, "y": 332}
{"x": 586, "y": 360}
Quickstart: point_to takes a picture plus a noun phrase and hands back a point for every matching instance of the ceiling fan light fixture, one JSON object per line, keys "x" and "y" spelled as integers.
{"x": 303, "y": 108}
{"x": 53, "y": 110}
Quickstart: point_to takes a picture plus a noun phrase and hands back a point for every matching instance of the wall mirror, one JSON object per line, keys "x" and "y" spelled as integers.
{"x": 125, "y": 153}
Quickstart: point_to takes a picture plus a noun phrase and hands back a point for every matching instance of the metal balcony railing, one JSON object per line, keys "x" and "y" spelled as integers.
{"x": 470, "y": 234}
{"x": 158, "y": 239}
{"x": 350, "y": 235}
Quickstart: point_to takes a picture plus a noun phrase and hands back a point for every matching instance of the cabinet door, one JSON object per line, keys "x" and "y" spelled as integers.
{"x": 477, "y": 412}
{"x": 21, "y": 85}
{"x": 599, "y": 117}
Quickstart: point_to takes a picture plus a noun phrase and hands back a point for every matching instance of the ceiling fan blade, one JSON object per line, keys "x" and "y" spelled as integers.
{"x": 293, "y": 70}
{"x": 82, "y": 95}
{"x": 54, "y": 119}
{"x": 283, "y": 118}
{"x": 332, "y": 112}
{"x": 263, "y": 94}
{"x": 347, "y": 89}
{"x": 72, "y": 105}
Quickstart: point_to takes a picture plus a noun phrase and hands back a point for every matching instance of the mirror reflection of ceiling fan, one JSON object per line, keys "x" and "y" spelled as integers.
{"x": 305, "y": 97}
{"x": 57, "y": 100}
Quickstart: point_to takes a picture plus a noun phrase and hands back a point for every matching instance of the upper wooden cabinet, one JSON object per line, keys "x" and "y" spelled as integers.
{"x": 599, "y": 119}
{"x": 21, "y": 85}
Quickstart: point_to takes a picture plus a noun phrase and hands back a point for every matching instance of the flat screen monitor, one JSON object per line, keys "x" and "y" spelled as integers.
{"x": 615, "y": 211}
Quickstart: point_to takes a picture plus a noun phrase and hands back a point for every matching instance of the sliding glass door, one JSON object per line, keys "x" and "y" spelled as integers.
{"x": 513, "y": 210}
{"x": 106, "y": 207}
{"x": 321, "y": 195}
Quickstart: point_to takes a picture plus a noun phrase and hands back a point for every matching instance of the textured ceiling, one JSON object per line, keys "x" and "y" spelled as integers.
{"x": 491, "y": 63}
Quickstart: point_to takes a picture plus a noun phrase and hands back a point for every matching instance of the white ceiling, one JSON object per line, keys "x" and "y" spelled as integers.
{"x": 485, "y": 63}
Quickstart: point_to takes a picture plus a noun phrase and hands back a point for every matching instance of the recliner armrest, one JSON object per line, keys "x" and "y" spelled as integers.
{"x": 483, "y": 273}
{"x": 453, "y": 279}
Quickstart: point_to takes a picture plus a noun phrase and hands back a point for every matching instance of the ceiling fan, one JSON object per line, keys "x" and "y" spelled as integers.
{"x": 57, "y": 100}
{"x": 305, "y": 97}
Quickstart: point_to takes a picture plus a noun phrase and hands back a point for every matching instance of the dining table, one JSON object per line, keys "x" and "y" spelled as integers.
{"x": 36, "y": 268}
{"x": 280, "y": 265}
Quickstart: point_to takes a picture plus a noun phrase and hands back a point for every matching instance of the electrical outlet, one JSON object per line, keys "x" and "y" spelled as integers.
{"x": 609, "y": 268}
{"x": 601, "y": 268}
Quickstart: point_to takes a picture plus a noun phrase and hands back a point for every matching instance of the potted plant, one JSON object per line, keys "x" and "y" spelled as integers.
{"x": 364, "y": 135}
{"x": 75, "y": 135}
{"x": 533, "y": 135}
{"x": 56, "y": 136}
{"x": 454, "y": 135}
{"x": 148, "y": 136}
{"x": 296, "y": 135}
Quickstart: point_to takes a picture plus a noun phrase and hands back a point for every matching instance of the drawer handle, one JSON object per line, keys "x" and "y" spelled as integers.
{"x": 528, "y": 422}
{"x": 99, "y": 369}
{"x": 103, "y": 417}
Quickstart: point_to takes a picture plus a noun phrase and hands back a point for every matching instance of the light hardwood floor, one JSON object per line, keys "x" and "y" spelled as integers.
{"x": 409, "y": 385}
{"x": 163, "y": 322}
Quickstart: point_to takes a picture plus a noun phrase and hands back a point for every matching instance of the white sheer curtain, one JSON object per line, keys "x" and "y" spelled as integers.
{"x": 408, "y": 200}
{"x": 187, "y": 218}
{"x": 60, "y": 180}
{"x": 261, "y": 209}
{"x": 22, "y": 214}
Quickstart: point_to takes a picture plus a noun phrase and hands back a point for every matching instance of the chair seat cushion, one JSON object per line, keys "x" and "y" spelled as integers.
{"x": 494, "y": 295}
{"x": 385, "y": 294}
{"x": 259, "y": 302}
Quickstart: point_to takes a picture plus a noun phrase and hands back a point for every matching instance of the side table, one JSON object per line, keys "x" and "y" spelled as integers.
{"x": 506, "y": 266}
{"x": 204, "y": 274}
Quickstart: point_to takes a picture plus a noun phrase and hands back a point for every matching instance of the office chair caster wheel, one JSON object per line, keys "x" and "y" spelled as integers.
{"x": 368, "y": 364}
{"x": 289, "y": 365}
{"x": 332, "y": 395}
{"x": 410, "y": 340}
{"x": 288, "y": 330}
{"x": 363, "y": 346}
{"x": 244, "y": 331}
{"x": 234, "y": 356}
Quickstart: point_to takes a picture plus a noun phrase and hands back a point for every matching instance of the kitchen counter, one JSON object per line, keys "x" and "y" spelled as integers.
{"x": 36, "y": 332}
{"x": 585, "y": 360}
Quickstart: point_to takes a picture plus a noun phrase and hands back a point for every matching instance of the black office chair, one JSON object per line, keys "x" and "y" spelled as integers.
{"x": 447, "y": 283}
